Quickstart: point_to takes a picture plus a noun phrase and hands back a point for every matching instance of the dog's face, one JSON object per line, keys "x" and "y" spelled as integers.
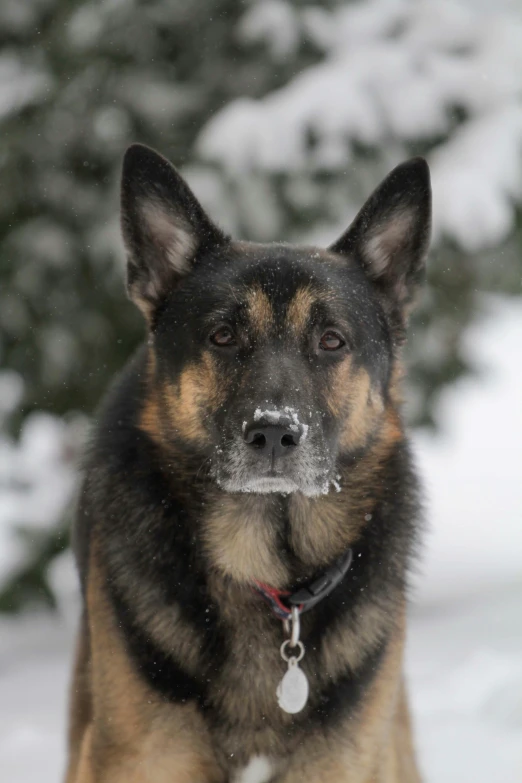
{"x": 271, "y": 361}
{"x": 278, "y": 350}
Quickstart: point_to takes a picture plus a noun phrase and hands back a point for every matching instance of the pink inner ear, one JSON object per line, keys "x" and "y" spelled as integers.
{"x": 387, "y": 239}
{"x": 170, "y": 233}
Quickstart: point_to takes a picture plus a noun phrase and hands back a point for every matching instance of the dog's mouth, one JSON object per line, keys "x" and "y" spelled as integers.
{"x": 236, "y": 475}
{"x": 269, "y": 483}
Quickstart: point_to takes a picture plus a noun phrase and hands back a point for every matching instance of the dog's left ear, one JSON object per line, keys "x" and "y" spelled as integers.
{"x": 390, "y": 235}
{"x": 163, "y": 224}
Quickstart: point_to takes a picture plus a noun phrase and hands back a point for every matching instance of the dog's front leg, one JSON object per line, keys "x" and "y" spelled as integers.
{"x": 130, "y": 733}
{"x": 156, "y": 761}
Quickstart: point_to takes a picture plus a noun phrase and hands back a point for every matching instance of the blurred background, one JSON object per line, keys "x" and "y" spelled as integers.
{"x": 283, "y": 116}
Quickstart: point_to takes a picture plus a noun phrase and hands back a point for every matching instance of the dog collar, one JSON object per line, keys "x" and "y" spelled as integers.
{"x": 283, "y": 601}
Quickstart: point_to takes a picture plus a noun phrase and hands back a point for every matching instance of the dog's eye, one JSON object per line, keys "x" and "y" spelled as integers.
{"x": 330, "y": 341}
{"x": 223, "y": 337}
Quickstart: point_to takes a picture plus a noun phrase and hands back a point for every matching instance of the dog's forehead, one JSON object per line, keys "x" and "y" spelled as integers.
{"x": 279, "y": 283}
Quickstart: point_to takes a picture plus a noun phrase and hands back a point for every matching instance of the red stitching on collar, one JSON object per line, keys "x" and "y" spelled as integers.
{"x": 273, "y": 597}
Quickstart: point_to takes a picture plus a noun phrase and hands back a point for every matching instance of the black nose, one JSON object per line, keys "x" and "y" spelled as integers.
{"x": 272, "y": 438}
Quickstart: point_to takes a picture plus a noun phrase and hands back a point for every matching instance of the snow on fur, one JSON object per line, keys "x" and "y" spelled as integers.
{"x": 274, "y": 417}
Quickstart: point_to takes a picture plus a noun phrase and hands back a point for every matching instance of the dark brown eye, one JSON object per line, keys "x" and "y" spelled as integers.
{"x": 223, "y": 337}
{"x": 330, "y": 341}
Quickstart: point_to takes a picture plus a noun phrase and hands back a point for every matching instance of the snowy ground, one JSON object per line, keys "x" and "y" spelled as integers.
{"x": 464, "y": 666}
{"x": 464, "y": 657}
{"x": 464, "y": 669}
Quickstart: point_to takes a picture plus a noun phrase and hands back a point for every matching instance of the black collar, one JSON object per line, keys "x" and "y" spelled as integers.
{"x": 282, "y": 601}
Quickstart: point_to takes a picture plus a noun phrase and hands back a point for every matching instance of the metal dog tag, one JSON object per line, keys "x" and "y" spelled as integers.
{"x": 292, "y": 691}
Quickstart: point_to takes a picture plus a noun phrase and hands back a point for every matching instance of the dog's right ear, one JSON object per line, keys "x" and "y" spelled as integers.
{"x": 163, "y": 224}
{"x": 390, "y": 236}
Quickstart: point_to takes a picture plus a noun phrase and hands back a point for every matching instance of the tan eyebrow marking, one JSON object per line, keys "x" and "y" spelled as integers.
{"x": 298, "y": 310}
{"x": 259, "y": 310}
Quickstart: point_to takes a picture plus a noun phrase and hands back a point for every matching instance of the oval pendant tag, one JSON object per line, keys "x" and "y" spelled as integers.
{"x": 292, "y": 691}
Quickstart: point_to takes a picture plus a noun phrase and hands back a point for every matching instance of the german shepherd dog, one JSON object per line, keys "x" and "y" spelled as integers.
{"x": 250, "y": 464}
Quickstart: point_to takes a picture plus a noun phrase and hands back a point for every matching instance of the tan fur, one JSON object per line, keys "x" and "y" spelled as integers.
{"x": 363, "y": 406}
{"x": 352, "y": 397}
{"x": 186, "y": 402}
{"x": 259, "y": 311}
{"x": 240, "y": 542}
{"x": 80, "y": 707}
{"x": 395, "y": 390}
{"x": 341, "y": 385}
{"x": 133, "y": 736}
{"x": 321, "y": 528}
{"x": 298, "y": 311}
{"x": 150, "y": 416}
{"x": 182, "y": 407}
{"x": 405, "y": 762}
{"x": 150, "y": 419}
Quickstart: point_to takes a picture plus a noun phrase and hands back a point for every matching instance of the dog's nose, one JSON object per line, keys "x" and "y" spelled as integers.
{"x": 273, "y": 439}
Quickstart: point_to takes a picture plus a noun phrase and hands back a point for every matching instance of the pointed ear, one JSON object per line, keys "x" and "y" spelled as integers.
{"x": 390, "y": 235}
{"x": 163, "y": 224}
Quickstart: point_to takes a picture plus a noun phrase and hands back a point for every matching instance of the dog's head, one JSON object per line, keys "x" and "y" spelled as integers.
{"x": 271, "y": 361}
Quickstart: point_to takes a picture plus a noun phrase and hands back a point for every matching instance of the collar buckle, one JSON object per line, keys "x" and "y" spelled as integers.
{"x": 282, "y": 602}
{"x": 310, "y": 595}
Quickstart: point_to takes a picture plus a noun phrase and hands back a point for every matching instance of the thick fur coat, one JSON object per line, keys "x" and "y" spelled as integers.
{"x": 256, "y": 435}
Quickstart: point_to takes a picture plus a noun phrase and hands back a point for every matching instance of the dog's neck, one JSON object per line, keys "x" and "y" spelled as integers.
{"x": 281, "y": 540}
